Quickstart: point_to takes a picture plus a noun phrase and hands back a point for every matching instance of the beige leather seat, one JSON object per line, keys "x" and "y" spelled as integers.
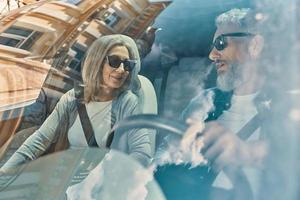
{"x": 148, "y": 102}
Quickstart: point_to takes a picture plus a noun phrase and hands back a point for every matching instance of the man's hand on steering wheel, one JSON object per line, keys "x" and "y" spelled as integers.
{"x": 222, "y": 148}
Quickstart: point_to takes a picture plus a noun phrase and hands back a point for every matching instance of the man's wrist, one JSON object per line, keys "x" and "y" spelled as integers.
{"x": 258, "y": 153}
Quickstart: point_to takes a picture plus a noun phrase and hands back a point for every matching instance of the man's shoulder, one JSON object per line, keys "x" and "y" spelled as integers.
{"x": 211, "y": 102}
{"x": 199, "y": 105}
{"x": 218, "y": 94}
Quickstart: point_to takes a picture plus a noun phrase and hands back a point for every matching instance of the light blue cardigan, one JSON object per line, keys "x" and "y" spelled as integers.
{"x": 136, "y": 143}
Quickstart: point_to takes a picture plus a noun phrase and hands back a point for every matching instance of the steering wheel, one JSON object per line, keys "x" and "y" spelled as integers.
{"x": 180, "y": 181}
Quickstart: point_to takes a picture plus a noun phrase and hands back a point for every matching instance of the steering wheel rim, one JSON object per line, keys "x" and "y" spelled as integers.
{"x": 150, "y": 121}
{"x": 241, "y": 186}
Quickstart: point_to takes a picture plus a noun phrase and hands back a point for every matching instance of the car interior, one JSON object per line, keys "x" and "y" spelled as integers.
{"x": 174, "y": 38}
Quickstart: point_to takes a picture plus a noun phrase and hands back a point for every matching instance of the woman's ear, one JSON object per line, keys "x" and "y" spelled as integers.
{"x": 256, "y": 46}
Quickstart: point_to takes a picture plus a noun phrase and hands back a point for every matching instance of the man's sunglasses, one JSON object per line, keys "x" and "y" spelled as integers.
{"x": 221, "y": 42}
{"x": 115, "y": 61}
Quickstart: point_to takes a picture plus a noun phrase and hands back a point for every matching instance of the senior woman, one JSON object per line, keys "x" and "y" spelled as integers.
{"x": 109, "y": 73}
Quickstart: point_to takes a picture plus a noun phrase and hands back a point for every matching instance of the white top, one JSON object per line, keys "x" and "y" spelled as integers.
{"x": 242, "y": 110}
{"x": 100, "y": 117}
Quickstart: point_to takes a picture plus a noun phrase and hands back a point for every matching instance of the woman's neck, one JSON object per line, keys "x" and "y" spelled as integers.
{"x": 106, "y": 94}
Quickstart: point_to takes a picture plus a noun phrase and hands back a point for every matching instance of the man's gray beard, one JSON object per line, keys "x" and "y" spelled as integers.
{"x": 231, "y": 79}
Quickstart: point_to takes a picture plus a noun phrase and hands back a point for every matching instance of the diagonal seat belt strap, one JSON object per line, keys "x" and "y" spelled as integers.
{"x": 86, "y": 124}
{"x": 250, "y": 127}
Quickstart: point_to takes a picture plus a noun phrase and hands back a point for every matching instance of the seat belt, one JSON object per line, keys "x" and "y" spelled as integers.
{"x": 86, "y": 124}
{"x": 162, "y": 93}
{"x": 250, "y": 127}
{"x": 245, "y": 132}
{"x": 87, "y": 127}
{"x": 110, "y": 137}
{"x": 85, "y": 120}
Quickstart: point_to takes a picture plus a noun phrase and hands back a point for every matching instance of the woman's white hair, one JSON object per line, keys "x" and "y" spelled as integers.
{"x": 92, "y": 66}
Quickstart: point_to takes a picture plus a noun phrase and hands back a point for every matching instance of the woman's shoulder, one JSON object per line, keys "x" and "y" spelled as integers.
{"x": 68, "y": 98}
{"x": 69, "y": 95}
{"x": 126, "y": 102}
{"x": 128, "y": 95}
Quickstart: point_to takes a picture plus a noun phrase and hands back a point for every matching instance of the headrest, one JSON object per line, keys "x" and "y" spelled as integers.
{"x": 192, "y": 63}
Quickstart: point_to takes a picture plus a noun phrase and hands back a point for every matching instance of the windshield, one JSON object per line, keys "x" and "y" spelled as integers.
{"x": 220, "y": 76}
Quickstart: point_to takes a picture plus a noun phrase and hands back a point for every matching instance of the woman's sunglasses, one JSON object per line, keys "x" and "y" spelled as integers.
{"x": 221, "y": 42}
{"x": 115, "y": 61}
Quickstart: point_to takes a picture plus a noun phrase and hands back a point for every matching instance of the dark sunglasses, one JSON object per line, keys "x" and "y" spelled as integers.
{"x": 115, "y": 61}
{"x": 221, "y": 42}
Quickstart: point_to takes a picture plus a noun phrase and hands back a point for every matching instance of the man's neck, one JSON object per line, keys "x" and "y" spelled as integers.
{"x": 252, "y": 86}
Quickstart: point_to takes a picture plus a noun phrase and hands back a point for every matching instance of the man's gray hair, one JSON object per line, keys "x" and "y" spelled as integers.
{"x": 243, "y": 19}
